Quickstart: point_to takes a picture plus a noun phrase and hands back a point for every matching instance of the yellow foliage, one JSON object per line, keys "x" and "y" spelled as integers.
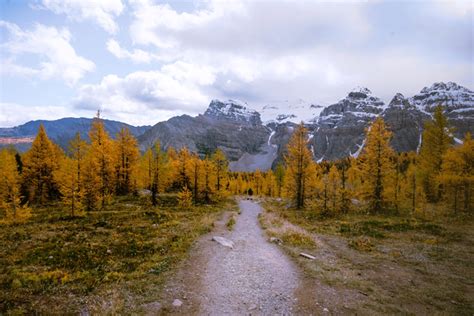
{"x": 126, "y": 155}
{"x": 376, "y": 165}
{"x": 10, "y": 190}
{"x": 185, "y": 198}
{"x": 300, "y": 166}
{"x": 39, "y": 165}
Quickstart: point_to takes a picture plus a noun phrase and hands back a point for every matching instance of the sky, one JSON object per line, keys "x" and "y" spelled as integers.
{"x": 144, "y": 61}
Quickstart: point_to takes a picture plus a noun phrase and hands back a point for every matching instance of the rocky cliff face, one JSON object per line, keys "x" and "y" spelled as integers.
{"x": 229, "y": 125}
{"x": 457, "y": 101}
{"x": 406, "y": 123}
{"x": 340, "y": 129}
{"x": 233, "y": 112}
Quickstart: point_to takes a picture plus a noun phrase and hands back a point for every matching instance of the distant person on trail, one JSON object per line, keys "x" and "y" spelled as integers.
{"x": 250, "y": 192}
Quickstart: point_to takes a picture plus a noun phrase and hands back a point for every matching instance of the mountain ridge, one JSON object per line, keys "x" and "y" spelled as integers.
{"x": 254, "y": 140}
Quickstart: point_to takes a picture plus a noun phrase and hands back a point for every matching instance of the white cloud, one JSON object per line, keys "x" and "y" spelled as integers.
{"x": 57, "y": 58}
{"x": 136, "y": 55}
{"x": 457, "y": 8}
{"x": 311, "y": 49}
{"x": 175, "y": 88}
{"x": 101, "y": 12}
{"x": 13, "y": 114}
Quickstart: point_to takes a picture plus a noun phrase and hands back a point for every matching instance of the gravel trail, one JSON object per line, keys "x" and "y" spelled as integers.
{"x": 253, "y": 278}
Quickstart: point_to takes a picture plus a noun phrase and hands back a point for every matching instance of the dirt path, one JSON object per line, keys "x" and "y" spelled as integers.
{"x": 254, "y": 277}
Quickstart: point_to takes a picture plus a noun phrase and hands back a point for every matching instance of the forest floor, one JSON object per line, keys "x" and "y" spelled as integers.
{"x": 378, "y": 264}
{"x": 113, "y": 261}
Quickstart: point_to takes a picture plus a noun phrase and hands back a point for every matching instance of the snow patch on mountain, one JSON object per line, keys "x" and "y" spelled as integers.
{"x": 232, "y": 110}
{"x": 359, "y": 103}
{"x": 294, "y": 111}
{"x": 450, "y": 95}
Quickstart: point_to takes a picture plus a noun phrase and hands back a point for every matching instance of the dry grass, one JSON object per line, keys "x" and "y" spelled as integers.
{"x": 110, "y": 261}
{"x": 383, "y": 264}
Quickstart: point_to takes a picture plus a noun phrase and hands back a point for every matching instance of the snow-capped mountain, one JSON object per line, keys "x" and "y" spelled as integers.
{"x": 233, "y": 111}
{"x": 358, "y": 106}
{"x": 450, "y": 95}
{"x": 294, "y": 111}
{"x": 340, "y": 129}
{"x": 336, "y": 131}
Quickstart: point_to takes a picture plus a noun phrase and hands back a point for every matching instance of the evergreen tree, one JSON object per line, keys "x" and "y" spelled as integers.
{"x": 436, "y": 141}
{"x": 39, "y": 166}
{"x": 377, "y": 165}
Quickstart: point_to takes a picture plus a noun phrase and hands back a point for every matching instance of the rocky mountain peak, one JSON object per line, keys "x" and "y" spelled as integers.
{"x": 359, "y": 93}
{"x": 358, "y": 105}
{"x": 232, "y": 110}
{"x": 398, "y": 100}
{"x": 442, "y": 87}
{"x": 450, "y": 95}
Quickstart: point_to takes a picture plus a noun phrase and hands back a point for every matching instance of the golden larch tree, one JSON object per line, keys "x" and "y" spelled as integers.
{"x": 436, "y": 141}
{"x": 39, "y": 166}
{"x": 69, "y": 185}
{"x": 10, "y": 189}
{"x": 376, "y": 165}
{"x": 221, "y": 166}
{"x": 298, "y": 162}
{"x": 209, "y": 180}
{"x": 279, "y": 178}
{"x": 182, "y": 169}
{"x": 457, "y": 175}
{"x": 99, "y": 172}
{"x": 196, "y": 175}
{"x": 126, "y": 162}
{"x": 334, "y": 189}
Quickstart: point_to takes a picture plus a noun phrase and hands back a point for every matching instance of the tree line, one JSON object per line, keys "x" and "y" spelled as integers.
{"x": 89, "y": 174}
{"x": 440, "y": 176}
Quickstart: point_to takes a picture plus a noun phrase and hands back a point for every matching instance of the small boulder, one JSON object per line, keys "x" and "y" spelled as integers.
{"x": 177, "y": 303}
{"x": 224, "y": 241}
{"x": 276, "y": 240}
